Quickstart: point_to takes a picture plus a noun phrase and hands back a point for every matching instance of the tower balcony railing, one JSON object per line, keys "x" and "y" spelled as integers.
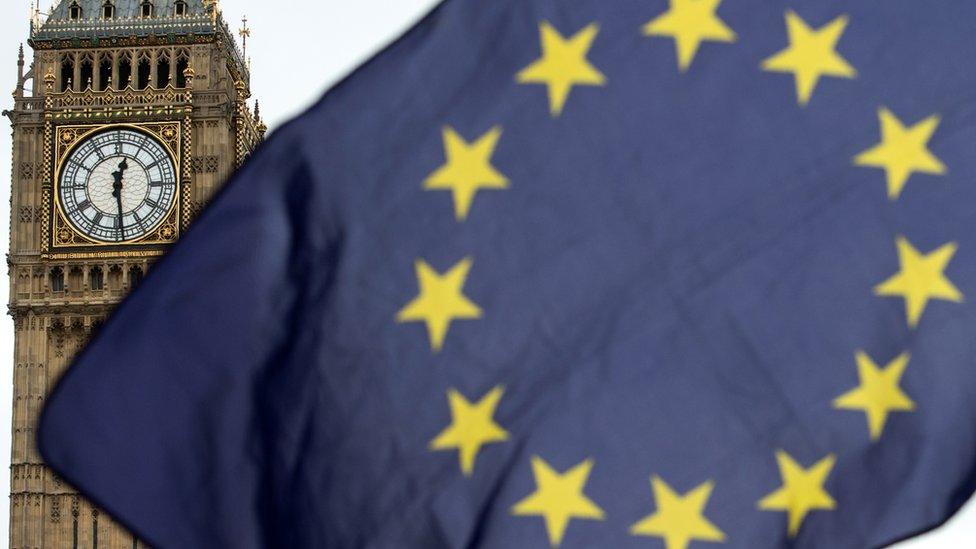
{"x": 168, "y": 95}
{"x": 29, "y": 104}
{"x": 72, "y": 296}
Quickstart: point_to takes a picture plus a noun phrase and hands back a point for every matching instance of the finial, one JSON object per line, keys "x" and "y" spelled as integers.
{"x": 19, "y": 90}
{"x": 49, "y": 82}
{"x": 242, "y": 93}
{"x": 257, "y": 110}
{"x": 245, "y": 33}
{"x": 35, "y": 14}
{"x": 188, "y": 74}
{"x": 210, "y": 7}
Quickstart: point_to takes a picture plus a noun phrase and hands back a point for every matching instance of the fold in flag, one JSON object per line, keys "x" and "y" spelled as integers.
{"x": 677, "y": 274}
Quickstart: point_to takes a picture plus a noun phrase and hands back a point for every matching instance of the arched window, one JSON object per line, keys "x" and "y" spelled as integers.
{"x": 74, "y": 11}
{"x": 87, "y": 72}
{"x": 148, "y": 9}
{"x": 180, "y": 8}
{"x": 74, "y": 523}
{"x": 96, "y": 279}
{"x": 162, "y": 71}
{"x": 104, "y": 73}
{"x": 182, "y": 63}
{"x": 108, "y": 10}
{"x": 67, "y": 71}
{"x": 143, "y": 74}
{"x": 125, "y": 72}
{"x": 94, "y": 527}
{"x": 57, "y": 280}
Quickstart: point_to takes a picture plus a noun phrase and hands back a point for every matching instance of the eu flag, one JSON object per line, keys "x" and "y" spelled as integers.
{"x": 641, "y": 273}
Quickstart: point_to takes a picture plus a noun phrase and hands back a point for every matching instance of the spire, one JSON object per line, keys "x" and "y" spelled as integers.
{"x": 245, "y": 33}
{"x": 35, "y": 15}
{"x": 257, "y": 110}
{"x": 19, "y": 92}
{"x": 213, "y": 8}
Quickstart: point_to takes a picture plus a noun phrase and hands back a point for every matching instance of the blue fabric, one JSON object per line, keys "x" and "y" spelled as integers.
{"x": 675, "y": 283}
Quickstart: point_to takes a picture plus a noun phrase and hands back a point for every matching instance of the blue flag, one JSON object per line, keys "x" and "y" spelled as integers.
{"x": 695, "y": 273}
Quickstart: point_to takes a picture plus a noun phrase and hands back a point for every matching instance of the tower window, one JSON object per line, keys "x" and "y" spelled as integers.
{"x": 180, "y": 7}
{"x": 108, "y": 10}
{"x": 94, "y": 527}
{"x": 147, "y": 8}
{"x": 87, "y": 74}
{"x": 57, "y": 280}
{"x": 162, "y": 72}
{"x": 96, "y": 279}
{"x": 74, "y": 11}
{"x": 104, "y": 73}
{"x": 143, "y": 74}
{"x": 67, "y": 72}
{"x": 125, "y": 73}
{"x": 74, "y": 525}
{"x": 182, "y": 63}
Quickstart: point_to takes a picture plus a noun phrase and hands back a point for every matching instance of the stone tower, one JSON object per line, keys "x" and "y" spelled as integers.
{"x": 130, "y": 115}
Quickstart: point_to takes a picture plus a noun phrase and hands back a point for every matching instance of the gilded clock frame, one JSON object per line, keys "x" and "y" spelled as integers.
{"x": 62, "y": 239}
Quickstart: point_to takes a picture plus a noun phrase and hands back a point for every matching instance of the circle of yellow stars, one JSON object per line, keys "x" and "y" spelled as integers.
{"x": 680, "y": 519}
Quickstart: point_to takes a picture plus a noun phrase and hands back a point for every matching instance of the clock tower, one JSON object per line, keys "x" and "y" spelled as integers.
{"x": 127, "y": 119}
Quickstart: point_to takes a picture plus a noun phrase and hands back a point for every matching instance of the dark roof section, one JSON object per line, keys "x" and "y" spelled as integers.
{"x": 128, "y": 20}
{"x": 124, "y": 9}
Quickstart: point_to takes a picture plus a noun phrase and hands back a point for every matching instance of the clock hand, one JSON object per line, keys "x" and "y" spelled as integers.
{"x": 117, "y": 193}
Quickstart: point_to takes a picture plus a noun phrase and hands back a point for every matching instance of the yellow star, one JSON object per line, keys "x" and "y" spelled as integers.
{"x": 802, "y": 490}
{"x": 468, "y": 169}
{"x": 879, "y": 393}
{"x": 902, "y": 151}
{"x": 679, "y": 519}
{"x": 559, "y": 498}
{"x": 563, "y": 64}
{"x": 810, "y": 55}
{"x": 440, "y": 300}
{"x": 690, "y": 22}
{"x": 920, "y": 279}
{"x": 471, "y": 427}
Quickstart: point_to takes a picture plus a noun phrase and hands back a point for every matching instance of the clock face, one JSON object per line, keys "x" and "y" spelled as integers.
{"x": 117, "y": 186}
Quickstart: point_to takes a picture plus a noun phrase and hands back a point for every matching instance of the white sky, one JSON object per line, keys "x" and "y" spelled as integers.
{"x": 337, "y": 36}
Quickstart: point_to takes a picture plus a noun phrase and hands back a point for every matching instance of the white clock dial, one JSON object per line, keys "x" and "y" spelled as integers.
{"x": 117, "y": 185}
